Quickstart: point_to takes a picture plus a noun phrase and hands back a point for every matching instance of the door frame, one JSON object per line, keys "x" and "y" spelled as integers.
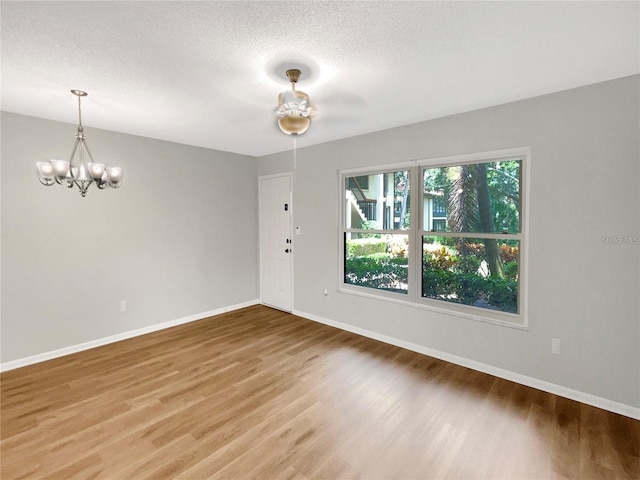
{"x": 289, "y": 175}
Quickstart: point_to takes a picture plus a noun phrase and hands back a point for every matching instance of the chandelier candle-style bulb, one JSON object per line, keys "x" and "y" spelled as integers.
{"x": 80, "y": 170}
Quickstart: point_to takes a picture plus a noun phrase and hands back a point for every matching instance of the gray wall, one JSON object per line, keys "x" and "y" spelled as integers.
{"x": 584, "y": 186}
{"x": 181, "y": 243}
{"x": 179, "y": 238}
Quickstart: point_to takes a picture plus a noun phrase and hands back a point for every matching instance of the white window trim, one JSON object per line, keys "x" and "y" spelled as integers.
{"x": 413, "y": 297}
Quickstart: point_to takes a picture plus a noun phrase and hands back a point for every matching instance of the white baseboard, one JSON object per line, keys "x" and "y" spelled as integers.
{"x": 41, "y": 357}
{"x": 587, "y": 398}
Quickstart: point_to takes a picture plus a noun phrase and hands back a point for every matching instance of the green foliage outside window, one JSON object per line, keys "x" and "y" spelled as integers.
{"x": 482, "y": 272}
{"x": 381, "y": 271}
{"x": 377, "y": 261}
{"x": 450, "y": 276}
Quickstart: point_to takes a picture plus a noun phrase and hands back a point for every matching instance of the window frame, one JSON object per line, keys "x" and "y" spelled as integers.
{"x": 367, "y": 291}
{"x": 413, "y": 297}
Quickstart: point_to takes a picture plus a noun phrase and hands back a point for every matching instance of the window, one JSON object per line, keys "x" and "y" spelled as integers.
{"x": 464, "y": 253}
{"x": 376, "y": 245}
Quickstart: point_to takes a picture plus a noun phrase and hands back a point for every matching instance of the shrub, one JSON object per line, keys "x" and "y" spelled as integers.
{"x": 379, "y": 270}
{"x": 508, "y": 253}
{"x": 468, "y": 264}
{"x": 511, "y": 270}
{"x": 440, "y": 259}
{"x": 503, "y": 294}
{"x": 476, "y": 249}
{"x": 470, "y": 289}
{"x": 398, "y": 245}
{"x": 362, "y": 247}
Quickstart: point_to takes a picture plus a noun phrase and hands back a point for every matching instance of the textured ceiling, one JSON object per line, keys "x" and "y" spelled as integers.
{"x": 208, "y": 73}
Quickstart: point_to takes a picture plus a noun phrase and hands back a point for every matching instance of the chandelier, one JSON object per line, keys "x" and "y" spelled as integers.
{"x": 294, "y": 108}
{"x": 79, "y": 170}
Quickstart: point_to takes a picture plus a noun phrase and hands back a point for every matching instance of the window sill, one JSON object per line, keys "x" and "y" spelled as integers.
{"x": 519, "y": 322}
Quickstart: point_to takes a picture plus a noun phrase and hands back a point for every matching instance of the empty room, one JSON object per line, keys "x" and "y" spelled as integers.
{"x": 320, "y": 240}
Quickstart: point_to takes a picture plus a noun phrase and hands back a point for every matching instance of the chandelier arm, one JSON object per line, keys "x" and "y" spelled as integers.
{"x": 83, "y": 185}
{"x": 47, "y": 182}
{"x": 86, "y": 147}
{"x": 82, "y": 167}
{"x": 73, "y": 153}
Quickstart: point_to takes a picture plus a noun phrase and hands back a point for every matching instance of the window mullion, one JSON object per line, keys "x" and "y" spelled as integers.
{"x": 415, "y": 244}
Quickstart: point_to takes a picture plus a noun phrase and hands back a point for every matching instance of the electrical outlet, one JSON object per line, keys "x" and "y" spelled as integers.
{"x": 123, "y": 305}
{"x": 555, "y": 346}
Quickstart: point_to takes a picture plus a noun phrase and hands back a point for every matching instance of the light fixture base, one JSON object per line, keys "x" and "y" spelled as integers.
{"x": 293, "y": 75}
{"x": 79, "y": 93}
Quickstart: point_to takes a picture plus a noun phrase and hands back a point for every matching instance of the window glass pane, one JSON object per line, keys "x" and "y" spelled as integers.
{"x": 377, "y": 261}
{"x": 439, "y": 225}
{"x": 361, "y": 182}
{"x": 379, "y": 201}
{"x": 472, "y": 271}
{"x": 480, "y": 197}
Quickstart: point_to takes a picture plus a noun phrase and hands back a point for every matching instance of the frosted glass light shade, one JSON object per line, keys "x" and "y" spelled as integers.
{"x": 96, "y": 170}
{"x": 60, "y": 167}
{"x": 293, "y": 103}
{"x": 45, "y": 169}
{"x": 115, "y": 176}
{"x": 294, "y": 125}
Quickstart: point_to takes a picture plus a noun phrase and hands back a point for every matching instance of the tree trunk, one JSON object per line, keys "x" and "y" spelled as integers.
{"x": 462, "y": 204}
{"x": 486, "y": 222}
{"x": 403, "y": 206}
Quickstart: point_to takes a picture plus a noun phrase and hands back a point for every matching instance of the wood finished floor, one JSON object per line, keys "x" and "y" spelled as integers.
{"x": 258, "y": 393}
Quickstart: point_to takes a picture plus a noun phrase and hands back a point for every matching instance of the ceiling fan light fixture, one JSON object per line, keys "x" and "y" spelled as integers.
{"x": 294, "y": 107}
{"x": 294, "y": 125}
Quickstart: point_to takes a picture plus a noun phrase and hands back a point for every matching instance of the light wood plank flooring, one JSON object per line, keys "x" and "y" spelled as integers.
{"x": 258, "y": 393}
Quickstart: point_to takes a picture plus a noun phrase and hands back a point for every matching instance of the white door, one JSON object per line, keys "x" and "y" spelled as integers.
{"x": 276, "y": 270}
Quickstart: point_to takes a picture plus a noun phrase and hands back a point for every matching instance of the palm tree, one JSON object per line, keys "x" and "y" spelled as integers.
{"x": 463, "y": 199}
{"x": 470, "y": 210}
